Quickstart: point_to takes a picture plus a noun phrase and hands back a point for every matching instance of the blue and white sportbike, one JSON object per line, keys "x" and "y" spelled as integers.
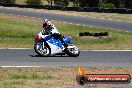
{"x": 46, "y": 45}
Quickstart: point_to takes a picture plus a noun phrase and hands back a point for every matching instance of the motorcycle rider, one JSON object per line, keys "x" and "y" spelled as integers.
{"x": 50, "y": 29}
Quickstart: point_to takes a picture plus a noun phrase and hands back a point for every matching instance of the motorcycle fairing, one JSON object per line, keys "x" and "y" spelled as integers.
{"x": 54, "y": 49}
{"x": 55, "y": 45}
{"x": 67, "y": 39}
{"x": 53, "y": 41}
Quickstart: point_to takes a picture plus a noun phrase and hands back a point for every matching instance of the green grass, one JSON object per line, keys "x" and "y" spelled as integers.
{"x": 19, "y": 32}
{"x": 31, "y": 76}
{"x": 116, "y": 39}
{"x": 19, "y": 77}
{"x": 53, "y": 77}
{"x": 13, "y": 82}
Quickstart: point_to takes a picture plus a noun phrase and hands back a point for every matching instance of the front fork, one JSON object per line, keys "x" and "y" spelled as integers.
{"x": 43, "y": 46}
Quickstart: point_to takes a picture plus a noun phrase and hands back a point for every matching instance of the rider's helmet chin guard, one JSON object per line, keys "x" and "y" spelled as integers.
{"x": 46, "y": 23}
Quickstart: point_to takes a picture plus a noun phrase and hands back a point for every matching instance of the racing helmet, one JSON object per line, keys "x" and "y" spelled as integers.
{"x": 46, "y": 23}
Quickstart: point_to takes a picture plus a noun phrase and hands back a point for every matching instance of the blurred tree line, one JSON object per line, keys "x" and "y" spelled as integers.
{"x": 98, "y": 3}
{"x": 82, "y": 3}
{"x": 104, "y": 3}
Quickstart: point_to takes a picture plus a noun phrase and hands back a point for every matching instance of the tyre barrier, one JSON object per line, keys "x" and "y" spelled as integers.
{"x": 64, "y": 8}
{"x": 81, "y": 34}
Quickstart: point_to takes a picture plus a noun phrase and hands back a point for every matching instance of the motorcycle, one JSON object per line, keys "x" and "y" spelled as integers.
{"x": 47, "y": 45}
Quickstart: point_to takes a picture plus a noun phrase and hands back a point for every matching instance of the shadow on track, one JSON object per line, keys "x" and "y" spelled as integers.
{"x": 49, "y": 56}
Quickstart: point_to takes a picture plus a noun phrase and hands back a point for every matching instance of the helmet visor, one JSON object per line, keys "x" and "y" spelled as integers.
{"x": 44, "y": 25}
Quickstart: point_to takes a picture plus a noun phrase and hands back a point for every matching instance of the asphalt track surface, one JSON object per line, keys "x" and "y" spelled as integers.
{"x": 120, "y": 25}
{"x": 28, "y": 57}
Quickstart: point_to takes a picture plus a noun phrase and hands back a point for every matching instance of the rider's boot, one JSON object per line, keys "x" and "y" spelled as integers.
{"x": 65, "y": 45}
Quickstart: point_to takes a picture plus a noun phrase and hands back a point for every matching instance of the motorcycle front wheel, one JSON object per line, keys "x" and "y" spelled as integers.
{"x": 42, "y": 50}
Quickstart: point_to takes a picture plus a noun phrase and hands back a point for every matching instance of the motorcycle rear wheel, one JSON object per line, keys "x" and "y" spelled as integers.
{"x": 73, "y": 52}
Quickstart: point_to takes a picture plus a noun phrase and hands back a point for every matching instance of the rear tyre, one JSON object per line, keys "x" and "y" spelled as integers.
{"x": 73, "y": 52}
{"x": 42, "y": 51}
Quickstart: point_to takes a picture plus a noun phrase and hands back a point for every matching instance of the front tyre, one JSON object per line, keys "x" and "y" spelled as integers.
{"x": 42, "y": 50}
{"x": 73, "y": 52}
